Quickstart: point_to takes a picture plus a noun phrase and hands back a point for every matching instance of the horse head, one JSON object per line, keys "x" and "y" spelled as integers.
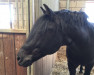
{"x": 45, "y": 38}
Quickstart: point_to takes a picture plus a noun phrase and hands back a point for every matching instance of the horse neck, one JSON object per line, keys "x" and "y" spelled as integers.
{"x": 72, "y": 32}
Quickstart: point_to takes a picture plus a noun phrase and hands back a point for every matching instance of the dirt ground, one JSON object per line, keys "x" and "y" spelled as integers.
{"x": 61, "y": 68}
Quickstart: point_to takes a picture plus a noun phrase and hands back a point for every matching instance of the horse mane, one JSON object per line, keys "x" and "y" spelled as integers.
{"x": 80, "y": 18}
{"x": 74, "y": 19}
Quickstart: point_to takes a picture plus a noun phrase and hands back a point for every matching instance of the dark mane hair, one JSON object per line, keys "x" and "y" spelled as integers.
{"x": 73, "y": 16}
{"x": 75, "y": 19}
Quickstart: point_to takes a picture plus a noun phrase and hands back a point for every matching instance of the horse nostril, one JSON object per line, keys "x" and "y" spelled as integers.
{"x": 18, "y": 58}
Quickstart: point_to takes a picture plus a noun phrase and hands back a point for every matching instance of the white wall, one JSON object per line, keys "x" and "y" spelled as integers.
{"x": 53, "y": 4}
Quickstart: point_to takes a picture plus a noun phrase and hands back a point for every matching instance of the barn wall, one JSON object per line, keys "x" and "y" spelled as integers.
{"x": 75, "y": 5}
{"x": 19, "y": 24}
{"x": 53, "y": 4}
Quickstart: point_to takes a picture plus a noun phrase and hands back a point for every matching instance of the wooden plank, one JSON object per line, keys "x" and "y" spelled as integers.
{"x": 8, "y": 41}
{"x": 12, "y": 30}
{"x": 19, "y": 40}
{"x": 2, "y": 67}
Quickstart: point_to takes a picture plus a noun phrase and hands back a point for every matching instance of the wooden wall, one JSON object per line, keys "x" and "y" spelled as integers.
{"x": 19, "y": 24}
{"x": 9, "y": 46}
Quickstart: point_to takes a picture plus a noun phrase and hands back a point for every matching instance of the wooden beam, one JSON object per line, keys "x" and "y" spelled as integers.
{"x": 12, "y": 31}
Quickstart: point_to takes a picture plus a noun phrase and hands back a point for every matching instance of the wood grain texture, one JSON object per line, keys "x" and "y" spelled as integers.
{"x": 19, "y": 40}
{"x": 2, "y": 66}
{"x": 8, "y": 44}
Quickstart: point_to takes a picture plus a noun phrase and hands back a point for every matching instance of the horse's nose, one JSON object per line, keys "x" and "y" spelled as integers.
{"x": 18, "y": 58}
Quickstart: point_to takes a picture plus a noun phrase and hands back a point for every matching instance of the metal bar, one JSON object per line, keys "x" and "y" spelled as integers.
{"x": 10, "y": 13}
{"x": 67, "y": 4}
{"x": 28, "y": 30}
{"x": 40, "y": 4}
{"x": 31, "y": 24}
{"x": 17, "y": 13}
{"x": 33, "y": 12}
{"x": 31, "y": 15}
{"x": 22, "y": 13}
{"x": 31, "y": 68}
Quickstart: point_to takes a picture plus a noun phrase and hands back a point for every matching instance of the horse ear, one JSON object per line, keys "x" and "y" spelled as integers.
{"x": 43, "y": 10}
{"x": 48, "y": 10}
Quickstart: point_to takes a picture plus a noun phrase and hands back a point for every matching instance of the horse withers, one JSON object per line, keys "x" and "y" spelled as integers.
{"x": 55, "y": 29}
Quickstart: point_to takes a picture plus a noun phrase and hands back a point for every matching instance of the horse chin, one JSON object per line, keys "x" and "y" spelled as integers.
{"x": 25, "y": 63}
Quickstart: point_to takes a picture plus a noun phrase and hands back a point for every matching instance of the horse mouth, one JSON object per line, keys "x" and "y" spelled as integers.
{"x": 25, "y": 63}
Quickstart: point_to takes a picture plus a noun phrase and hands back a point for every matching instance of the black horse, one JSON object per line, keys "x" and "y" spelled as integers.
{"x": 55, "y": 29}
